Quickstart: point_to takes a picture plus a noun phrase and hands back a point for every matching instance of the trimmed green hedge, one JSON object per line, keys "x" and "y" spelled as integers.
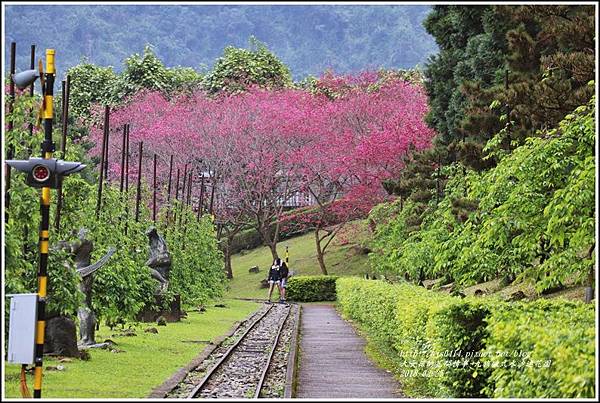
{"x": 558, "y": 337}
{"x": 311, "y": 288}
{"x": 246, "y": 240}
{"x": 460, "y": 328}
{"x": 396, "y": 315}
{"x": 444, "y": 346}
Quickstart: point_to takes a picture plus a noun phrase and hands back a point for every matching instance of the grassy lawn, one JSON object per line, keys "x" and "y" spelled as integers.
{"x": 339, "y": 259}
{"x": 149, "y": 359}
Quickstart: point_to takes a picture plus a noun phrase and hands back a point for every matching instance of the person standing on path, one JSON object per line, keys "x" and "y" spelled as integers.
{"x": 274, "y": 279}
{"x": 283, "y": 275}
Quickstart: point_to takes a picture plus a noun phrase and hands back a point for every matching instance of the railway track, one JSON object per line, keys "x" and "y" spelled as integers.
{"x": 241, "y": 370}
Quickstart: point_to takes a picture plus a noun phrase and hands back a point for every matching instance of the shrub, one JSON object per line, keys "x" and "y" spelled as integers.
{"x": 311, "y": 288}
{"x": 444, "y": 346}
{"x": 370, "y": 303}
{"x": 414, "y": 307}
{"x": 247, "y": 239}
{"x": 298, "y": 221}
{"x": 197, "y": 270}
{"x": 396, "y": 316}
{"x": 557, "y": 338}
{"x": 457, "y": 334}
{"x": 531, "y": 217}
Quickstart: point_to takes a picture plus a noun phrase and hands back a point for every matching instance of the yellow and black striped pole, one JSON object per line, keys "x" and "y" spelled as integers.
{"x": 47, "y": 150}
{"x": 287, "y": 256}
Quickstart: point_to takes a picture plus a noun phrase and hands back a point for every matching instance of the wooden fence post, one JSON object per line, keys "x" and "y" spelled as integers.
{"x": 154, "y": 193}
{"x": 138, "y": 196}
{"x": 104, "y": 140}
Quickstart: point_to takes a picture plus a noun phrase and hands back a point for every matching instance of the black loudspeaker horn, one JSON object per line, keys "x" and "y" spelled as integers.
{"x": 25, "y": 78}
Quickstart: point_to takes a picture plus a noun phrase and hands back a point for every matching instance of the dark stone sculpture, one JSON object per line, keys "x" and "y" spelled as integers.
{"x": 60, "y": 337}
{"x": 159, "y": 263}
{"x": 82, "y": 251}
{"x": 159, "y": 260}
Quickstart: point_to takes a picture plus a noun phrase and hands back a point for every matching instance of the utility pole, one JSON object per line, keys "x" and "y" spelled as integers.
{"x": 47, "y": 150}
{"x": 45, "y": 173}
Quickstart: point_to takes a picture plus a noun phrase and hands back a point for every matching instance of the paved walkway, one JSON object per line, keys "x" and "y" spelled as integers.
{"x": 333, "y": 363}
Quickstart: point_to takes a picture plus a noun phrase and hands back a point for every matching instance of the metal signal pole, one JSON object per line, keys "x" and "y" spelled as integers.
{"x": 47, "y": 150}
{"x": 43, "y": 173}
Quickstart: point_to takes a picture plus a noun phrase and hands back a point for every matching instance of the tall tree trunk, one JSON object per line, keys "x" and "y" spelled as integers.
{"x": 591, "y": 279}
{"x": 227, "y": 253}
{"x": 273, "y": 247}
{"x": 320, "y": 256}
{"x": 265, "y": 233}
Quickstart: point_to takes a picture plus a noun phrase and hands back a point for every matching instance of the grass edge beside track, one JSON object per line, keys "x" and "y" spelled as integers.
{"x": 146, "y": 361}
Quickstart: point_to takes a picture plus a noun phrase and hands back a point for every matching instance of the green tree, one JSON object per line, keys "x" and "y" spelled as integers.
{"x": 143, "y": 71}
{"x": 531, "y": 217}
{"x": 503, "y": 74}
{"x": 95, "y": 85}
{"x": 184, "y": 79}
{"x": 524, "y": 65}
{"x": 471, "y": 61}
{"x": 551, "y": 59}
{"x": 238, "y": 69}
{"x": 90, "y": 84}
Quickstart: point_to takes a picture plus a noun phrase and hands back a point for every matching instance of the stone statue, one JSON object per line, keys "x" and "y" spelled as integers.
{"x": 82, "y": 250}
{"x": 159, "y": 260}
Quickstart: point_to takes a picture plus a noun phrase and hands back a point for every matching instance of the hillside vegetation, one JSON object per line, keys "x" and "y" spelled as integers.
{"x": 532, "y": 218}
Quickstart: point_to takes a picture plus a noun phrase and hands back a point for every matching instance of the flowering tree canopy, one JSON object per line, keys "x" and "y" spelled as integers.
{"x": 260, "y": 147}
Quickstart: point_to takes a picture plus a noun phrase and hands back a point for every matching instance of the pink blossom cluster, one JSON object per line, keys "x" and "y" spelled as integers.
{"x": 261, "y": 146}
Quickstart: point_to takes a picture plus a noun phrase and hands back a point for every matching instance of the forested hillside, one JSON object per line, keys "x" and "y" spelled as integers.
{"x": 309, "y": 39}
{"x": 507, "y": 190}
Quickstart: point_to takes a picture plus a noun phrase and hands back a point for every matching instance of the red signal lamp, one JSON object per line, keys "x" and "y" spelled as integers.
{"x": 41, "y": 173}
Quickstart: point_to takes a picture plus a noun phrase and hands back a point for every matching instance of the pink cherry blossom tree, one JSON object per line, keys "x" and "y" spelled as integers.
{"x": 261, "y": 130}
{"x": 260, "y": 147}
{"x": 367, "y": 126}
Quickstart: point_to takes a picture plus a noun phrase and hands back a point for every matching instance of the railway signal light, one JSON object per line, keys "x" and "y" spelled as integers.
{"x": 45, "y": 173}
{"x": 42, "y": 172}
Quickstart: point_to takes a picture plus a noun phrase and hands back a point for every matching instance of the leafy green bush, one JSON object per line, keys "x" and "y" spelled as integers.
{"x": 311, "y": 288}
{"x": 557, "y": 340}
{"x": 444, "y": 346}
{"x": 414, "y": 306}
{"x": 247, "y": 239}
{"x": 238, "y": 69}
{"x": 529, "y": 218}
{"x": 396, "y": 315}
{"x": 370, "y": 303}
{"x": 457, "y": 334}
{"x": 197, "y": 263}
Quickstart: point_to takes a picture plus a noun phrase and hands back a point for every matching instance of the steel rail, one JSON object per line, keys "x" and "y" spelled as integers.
{"x": 226, "y": 355}
{"x": 266, "y": 369}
